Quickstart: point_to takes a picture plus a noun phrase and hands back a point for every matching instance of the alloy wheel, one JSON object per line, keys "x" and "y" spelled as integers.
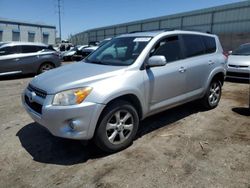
{"x": 214, "y": 93}
{"x": 119, "y": 126}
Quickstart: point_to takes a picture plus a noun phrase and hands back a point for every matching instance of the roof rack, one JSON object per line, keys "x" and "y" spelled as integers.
{"x": 154, "y": 30}
{"x": 169, "y": 29}
{"x": 197, "y": 30}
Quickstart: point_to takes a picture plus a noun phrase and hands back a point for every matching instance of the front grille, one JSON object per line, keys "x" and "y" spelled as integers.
{"x": 238, "y": 74}
{"x": 238, "y": 66}
{"x": 37, "y": 91}
{"x": 33, "y": 105}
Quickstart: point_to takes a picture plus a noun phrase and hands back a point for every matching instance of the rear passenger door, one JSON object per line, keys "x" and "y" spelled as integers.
{"x": 167, "y": 84}
{"x": 29, "y": 58}
{"x": 197, "y": 61}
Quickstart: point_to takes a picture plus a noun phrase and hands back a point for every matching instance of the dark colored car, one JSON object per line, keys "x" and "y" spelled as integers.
{"x": 25, "y": 58}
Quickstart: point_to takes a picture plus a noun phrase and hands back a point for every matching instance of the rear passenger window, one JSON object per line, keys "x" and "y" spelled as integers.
{"x": 194, "y": 45}
{"x": 168, "y": 47}
{"x": 210, "y": 44}
{"x": 29, "y": 49}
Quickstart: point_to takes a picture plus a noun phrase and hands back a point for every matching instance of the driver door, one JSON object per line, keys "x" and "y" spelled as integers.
{"x": 167, "y": 84}
{"x": 10, "y": 60}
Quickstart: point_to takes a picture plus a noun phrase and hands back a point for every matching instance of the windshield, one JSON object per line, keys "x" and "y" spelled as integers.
{"x": 242, "y": 50}
{"x": 119, "y": 51}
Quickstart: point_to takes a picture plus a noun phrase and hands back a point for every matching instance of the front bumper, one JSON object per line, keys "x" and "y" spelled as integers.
{"x": 238, "y": 73}
{"x": 73, "y": 122}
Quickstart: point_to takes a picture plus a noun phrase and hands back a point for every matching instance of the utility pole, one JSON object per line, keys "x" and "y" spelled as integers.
{"x": 59, "y": 13}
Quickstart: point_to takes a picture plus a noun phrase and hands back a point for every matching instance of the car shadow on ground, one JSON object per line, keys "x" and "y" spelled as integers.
{"x": 15, "y": 77}
{"x": 242, "y": 111}
{"x": 234, "y": 80}
{"x": 45, "y": 148}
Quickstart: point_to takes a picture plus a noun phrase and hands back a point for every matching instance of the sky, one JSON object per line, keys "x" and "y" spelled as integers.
{"x": 80, "y": 15}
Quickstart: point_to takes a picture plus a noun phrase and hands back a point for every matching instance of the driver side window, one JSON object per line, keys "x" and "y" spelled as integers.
{"x": 168, "y": 47}
{"x": 10, "y": 50}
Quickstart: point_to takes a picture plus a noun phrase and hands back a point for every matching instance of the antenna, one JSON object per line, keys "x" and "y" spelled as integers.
{"x": 59, "y": 16}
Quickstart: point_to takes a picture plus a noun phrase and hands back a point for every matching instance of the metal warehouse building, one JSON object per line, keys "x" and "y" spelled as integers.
{"x": 231, "y": 22}
{"x": 11, "y": 30}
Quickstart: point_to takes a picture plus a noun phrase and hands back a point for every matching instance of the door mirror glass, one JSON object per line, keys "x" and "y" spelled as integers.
{"x": 156, "y": 61}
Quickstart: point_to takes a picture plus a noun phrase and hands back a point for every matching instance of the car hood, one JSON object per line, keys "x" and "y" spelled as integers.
{"x": 75, "y": 75}
{"x": 239, "y": 60}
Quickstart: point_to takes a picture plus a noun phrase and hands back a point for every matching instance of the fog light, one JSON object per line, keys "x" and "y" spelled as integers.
{"x": 74, "y": 124}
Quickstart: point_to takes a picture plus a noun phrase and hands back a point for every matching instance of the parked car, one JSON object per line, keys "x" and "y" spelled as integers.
{"x": 81, "y": 54}
{"x": 130, "y": 78}
{"x": 25, "y": 57}
{"x": 84, "y": 52}
{"x": 238, "y": 64}
{"x": 94, "y": 43}
{"x": 67, "y": 56}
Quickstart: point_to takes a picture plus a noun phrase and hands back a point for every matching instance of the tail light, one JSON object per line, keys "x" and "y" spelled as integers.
{"x": 225, "y": 54}
{"x": 56, "y": 53}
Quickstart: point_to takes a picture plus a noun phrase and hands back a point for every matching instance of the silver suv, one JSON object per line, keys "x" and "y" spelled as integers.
{"x": 126, "y": 80}
{"x": 26, "y": 57}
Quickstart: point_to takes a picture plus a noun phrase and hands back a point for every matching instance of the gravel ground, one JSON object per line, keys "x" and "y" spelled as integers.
{"x": 182, "y": 147}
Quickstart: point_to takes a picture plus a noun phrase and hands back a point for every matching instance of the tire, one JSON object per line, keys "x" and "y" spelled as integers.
{"x": 45, "y": 67}
{"x": 117, "y": 127}
{"x": 213, "y": 95}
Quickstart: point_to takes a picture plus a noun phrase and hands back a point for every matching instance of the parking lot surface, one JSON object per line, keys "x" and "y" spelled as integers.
{"x": 182, "y": 147}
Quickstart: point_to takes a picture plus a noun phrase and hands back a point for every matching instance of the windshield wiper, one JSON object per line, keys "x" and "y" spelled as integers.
{"x": 95, "y": 62}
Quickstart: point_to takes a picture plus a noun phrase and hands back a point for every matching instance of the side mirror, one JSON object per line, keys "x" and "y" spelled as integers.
{"x": 230, "y": 52}
{"x": 156, "y": 61}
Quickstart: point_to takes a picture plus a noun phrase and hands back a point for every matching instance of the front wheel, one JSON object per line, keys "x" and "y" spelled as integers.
{"x": 213, "y": 95}
{"x": 117, "y": 127}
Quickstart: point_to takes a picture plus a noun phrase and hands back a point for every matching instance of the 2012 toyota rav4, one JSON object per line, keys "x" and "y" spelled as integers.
{"x": 129, "y": 78}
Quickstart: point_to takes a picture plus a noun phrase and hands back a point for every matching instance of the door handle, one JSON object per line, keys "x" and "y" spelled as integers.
{"x": 17, "y": 59}
{"x": 182, "y": 70}
{"x": 210, "y": 62}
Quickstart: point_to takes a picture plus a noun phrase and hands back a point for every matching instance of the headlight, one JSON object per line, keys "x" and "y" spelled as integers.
{"x": 71, "y": 97}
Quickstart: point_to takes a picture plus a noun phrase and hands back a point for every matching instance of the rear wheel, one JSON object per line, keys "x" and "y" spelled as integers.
{"x": 45, "y": 67}
{"x": 213, "y": 95}
{"x": 117, "y": 127}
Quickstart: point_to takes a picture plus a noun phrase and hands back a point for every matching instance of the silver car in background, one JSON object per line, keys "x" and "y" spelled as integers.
{"x": 26, "y": 57}
{"x": 124, "y": 81}
{"x": 238, "y": 63}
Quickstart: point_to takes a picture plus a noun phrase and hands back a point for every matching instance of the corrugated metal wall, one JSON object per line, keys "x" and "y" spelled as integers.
{"x": 227, "y": 19}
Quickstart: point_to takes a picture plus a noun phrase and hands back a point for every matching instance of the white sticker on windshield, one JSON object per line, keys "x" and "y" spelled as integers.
{"x": 142, "y": 39}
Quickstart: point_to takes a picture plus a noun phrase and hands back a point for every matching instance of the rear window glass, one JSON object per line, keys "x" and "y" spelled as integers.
{"x": 194, "y": 45}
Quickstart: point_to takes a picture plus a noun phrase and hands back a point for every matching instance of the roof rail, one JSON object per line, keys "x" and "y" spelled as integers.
{"x": 153, "y": 30}
{"x": 197, "y": 30}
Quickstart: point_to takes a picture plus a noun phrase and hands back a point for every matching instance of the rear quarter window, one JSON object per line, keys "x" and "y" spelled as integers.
{"x": 210, "y": 44}
{"x": 193, "y": 45}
